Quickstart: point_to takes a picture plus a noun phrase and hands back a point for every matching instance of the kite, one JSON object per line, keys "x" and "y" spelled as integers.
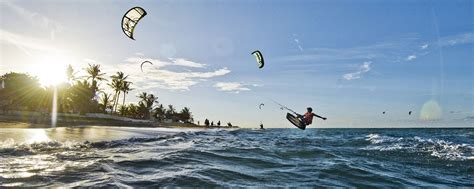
{"x": 141, "y": 66}
{"x": 130, "y": 20}
{"x": 258, "y": 55}
{"x": 260, "y": 106}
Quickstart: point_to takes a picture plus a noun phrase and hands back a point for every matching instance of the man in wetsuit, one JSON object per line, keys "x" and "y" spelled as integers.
{"x": 307, "y": 118}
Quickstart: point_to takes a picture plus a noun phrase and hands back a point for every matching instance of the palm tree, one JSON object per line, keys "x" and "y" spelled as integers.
{"x": 132, "y": 111}
{"x": 82, "y": 96}
{"x": 123, "y": 110}
{"x": 70, "y": 74}
{"x": 141, "y": 105}
{"x": 95, "y": 75}
{"x": 147, "y": 101}
{"x": 171, "y": 110}
{"x": 159, "y": 112}
{"x": 185, "y": 115}
{"x": 125, "y": 89}
{"x": 117, "y": 84}
{"x": 150, "y": 101}
{"x": 64, "y": 91}
{"x": 142, "y": 96}
{"x": 105, "y": 101}
{"x": 142, "y": 111}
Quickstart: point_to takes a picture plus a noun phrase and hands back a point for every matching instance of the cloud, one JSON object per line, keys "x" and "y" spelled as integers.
{"x": 157, "y": 76}
{"x": 90, "y": 61}
{"x": 257, "y": 85}
{"x": 235, "y": 87}
{"x": 381, "y": 50}
{"x": 172, "y": 80}
{"x": 170, "y": 62}
{"x": 297, "y": 41}
{"x": 411, "y": 57}
{"x": 139, "y": 54}
{"x": 36, "y": 19}
{"x": 469, "y": 118}
{"x": 389, "y": 51}
{"x": 187, "y": 63}
{"x": 460, "y": 39}
{"x": 26, "y": 43}
{"x": 364, "y": 68}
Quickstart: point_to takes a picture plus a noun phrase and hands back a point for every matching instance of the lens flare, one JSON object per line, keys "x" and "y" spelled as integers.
{"x": 54, "y": 109}
{"x": 431, "y": 110}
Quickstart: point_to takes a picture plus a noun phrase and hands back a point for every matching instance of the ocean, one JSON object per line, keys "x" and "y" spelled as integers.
{"x": 158, "y": 157}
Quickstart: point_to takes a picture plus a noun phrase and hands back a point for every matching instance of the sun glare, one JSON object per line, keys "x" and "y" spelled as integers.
{"x": 50, "y": 70}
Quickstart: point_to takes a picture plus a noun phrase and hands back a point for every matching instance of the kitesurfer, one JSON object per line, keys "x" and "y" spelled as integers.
{"x": 307, "y": 118}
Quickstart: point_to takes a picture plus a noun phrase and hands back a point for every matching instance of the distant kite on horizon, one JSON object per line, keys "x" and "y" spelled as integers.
{"x": 130, "y": 20}
{"x": 141, "y": 65}
{"x": 409, "y": 113}
{"x": 260, "y": 106}
{"x": 383, "y": 112}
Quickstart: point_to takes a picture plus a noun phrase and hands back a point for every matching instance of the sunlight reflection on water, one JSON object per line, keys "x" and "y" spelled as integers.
{"x": 37, "y": 136}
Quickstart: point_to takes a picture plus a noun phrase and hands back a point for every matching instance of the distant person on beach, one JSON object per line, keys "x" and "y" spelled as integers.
{"x": 229, "y": 124}
{"x": 212, "y": 123}
{"x": 198, "y": 122}
{"x": 206, "y": 122}
{"x": 219, "y": 123}
{"x": 261, "y": 126}
{"x": 307, "y": 118}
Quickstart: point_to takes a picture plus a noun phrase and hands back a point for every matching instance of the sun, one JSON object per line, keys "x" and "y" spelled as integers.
{"x": 50, "y": 70}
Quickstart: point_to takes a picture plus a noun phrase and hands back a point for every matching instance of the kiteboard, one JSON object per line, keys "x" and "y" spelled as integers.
{"x": 295, "y": 121}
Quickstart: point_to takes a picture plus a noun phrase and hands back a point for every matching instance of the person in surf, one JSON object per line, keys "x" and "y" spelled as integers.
{"x": 307, "y": 118}
{"x": 261, "y": 126}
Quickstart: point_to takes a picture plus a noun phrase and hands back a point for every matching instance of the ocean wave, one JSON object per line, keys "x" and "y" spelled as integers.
{"x": 10, "y": 148}
{"x": 435, "y": 147}
{"x": 377, "y": 139}
{"x": 182, "y": 136}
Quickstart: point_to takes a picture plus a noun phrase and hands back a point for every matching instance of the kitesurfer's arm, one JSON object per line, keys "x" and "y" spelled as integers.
{"x": 318, "y": 116}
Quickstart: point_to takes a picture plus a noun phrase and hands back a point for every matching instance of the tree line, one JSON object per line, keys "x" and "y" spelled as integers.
{"x": 83, "y": 94}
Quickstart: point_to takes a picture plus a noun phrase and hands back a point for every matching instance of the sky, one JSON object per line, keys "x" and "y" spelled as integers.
{"x": 349, "y": 60}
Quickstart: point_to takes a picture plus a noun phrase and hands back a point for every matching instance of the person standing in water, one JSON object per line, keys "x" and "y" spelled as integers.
{"x": 307, "y": 118}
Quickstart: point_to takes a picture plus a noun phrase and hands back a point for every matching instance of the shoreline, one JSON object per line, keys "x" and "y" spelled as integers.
{"x": 44, "y": 121}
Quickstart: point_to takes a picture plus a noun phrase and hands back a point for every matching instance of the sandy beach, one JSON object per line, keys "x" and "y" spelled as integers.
{"x": 15, "y": 121}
